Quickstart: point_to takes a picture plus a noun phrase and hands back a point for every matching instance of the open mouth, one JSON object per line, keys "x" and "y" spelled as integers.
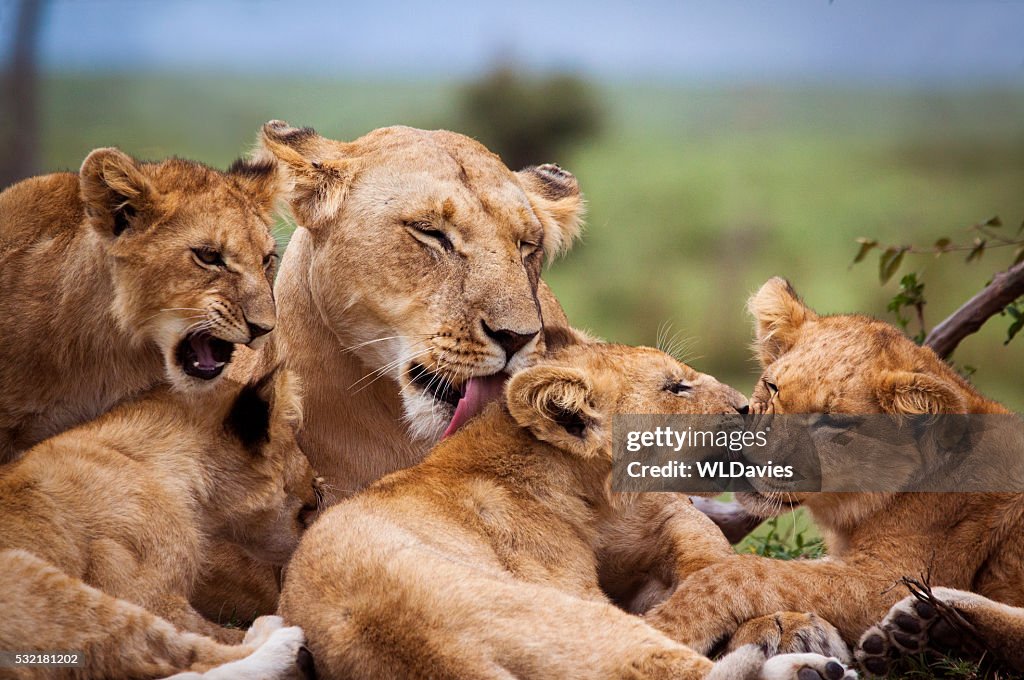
{"x": 469, "y": 399}
{"x": 433, "y": 384}
{"x": 203, "y": 356}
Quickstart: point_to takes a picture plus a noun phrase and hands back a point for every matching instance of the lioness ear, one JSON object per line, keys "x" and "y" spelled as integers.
{"x": 555, "y": 196}
{"x": 912, "y": 393}
{"x": 778, "y": 315}
{"x": 315, "y": 184}
{"x": 556, "y": 404}
{"x": 114, "y": 190}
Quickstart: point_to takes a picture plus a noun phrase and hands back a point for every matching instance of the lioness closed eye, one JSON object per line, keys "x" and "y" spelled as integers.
{"x": 124, "y": 276}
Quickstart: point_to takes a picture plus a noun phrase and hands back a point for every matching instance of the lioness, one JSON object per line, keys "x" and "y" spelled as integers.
{"x": 103, "y": 530}
{"x": 124, "y": 276}
{"x": 850, "y": 364}
{"x": 412, "y": 278}
{"x": 479, "y": 562}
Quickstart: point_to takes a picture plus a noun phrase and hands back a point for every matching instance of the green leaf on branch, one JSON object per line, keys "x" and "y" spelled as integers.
{"x": 866, "y": 244}
{"x": 994, "y": 222}
{"x": 911, "y": 296}
{"x": 1017, "y": 314}
{"x": 889, "y": 263}
{"x": 978, "y": 250}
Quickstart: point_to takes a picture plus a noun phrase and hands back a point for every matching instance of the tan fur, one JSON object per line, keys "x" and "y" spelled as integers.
{"x": 105, "y": 526}
{"x": 363, "y": 294}
{"x": 93, "y": 316}
{"x": 480, "y": 561}
{"x": 855, "y": 365}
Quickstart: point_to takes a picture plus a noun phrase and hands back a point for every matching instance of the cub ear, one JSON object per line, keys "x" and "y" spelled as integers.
{"x": 315, "y": 180}
{"x": 114, "y": 189}
{"x": 258, "y": 178}
{"x": 556, "y": 404}
{"x": 556, "y": 199}
{"x": 778, "y": 315}
{"x": 912, "y": 393}
{"x": 277, "y": 394}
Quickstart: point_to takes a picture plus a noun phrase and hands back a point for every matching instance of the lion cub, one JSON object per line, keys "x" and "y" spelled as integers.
{"x": 480, "y": 561}
{"x": 851, "y": 364}
{"x": 125, "y": 276}
{"x": 102, "y": 528}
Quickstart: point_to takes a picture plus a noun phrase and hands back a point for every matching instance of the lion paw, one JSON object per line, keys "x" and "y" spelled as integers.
{"x": 748, "y": 663}
{"x": 277, "y": 659}
{"x": 261, "y": 629}
{"x": 792, "y": 633}
{"x": 910, "y": 627}
{"x": 805, "y": 667}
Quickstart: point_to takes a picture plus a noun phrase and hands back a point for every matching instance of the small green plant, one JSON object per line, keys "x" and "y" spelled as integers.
{"x": 775, "y": 541}
{"x": 910, "y": 296}
{"x": 1004, "y": 289}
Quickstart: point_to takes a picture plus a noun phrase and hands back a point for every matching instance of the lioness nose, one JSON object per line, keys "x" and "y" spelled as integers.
{"x": 510, "y": 341}
{"x": 255, "y": 330}
{"x": 742, "y": 410}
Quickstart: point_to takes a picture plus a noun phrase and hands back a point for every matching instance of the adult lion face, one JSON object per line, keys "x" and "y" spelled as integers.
{"x": 191, "y": 256}
{"x": 427, "y": 258}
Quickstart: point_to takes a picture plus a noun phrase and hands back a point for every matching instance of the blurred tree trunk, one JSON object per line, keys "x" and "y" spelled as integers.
{"x": 19, "y": 148}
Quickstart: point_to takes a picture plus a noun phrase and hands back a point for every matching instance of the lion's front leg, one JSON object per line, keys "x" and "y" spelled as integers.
{"x": 650, "y": 546}
{"x": 709, "y": 606}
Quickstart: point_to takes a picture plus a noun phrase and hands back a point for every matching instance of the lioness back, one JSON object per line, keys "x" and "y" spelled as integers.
{"x": 123, "y": 276}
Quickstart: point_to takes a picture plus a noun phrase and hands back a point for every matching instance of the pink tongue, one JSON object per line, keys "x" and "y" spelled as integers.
{"x": 476, "y": 394}
{"x": 204, "y": 352}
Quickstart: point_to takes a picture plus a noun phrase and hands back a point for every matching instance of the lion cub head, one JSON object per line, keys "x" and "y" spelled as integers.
{"x": 843, "y": 365}
{"x": 191, "y": 256}
{"x": 569, "y": 399}
{"x": 427, "y": 254}
{"x": 265, "y": 492}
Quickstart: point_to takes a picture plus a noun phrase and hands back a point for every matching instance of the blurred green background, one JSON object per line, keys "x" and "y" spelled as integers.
{"x": 697, "y": 193}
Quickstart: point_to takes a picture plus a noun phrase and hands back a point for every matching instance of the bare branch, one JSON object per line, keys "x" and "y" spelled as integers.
{"x": 1006, "y": 287}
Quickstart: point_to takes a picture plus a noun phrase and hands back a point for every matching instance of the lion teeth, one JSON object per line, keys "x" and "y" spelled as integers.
{"x": 219, "y": 364}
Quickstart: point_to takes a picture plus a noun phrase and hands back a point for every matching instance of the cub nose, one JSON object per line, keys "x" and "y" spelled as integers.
{"x": 255, "y": 330}
{"x": 742, "y": 410}
{"x": 510, "y": 341}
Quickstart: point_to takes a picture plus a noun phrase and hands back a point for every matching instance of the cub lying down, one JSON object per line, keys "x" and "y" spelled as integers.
{"x": 479, "y": 562}
{"x": 102, "y": 530}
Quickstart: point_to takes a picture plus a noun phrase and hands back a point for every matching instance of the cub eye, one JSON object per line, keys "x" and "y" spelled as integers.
{"x": 678, "y": 387}
{"x": 208, "y": 257}
{"x": 431, "y": 232}
{"x": 269, "y": 260}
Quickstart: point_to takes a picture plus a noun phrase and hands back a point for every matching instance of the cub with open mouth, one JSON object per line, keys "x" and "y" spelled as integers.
{"x": 124, "y": 276}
